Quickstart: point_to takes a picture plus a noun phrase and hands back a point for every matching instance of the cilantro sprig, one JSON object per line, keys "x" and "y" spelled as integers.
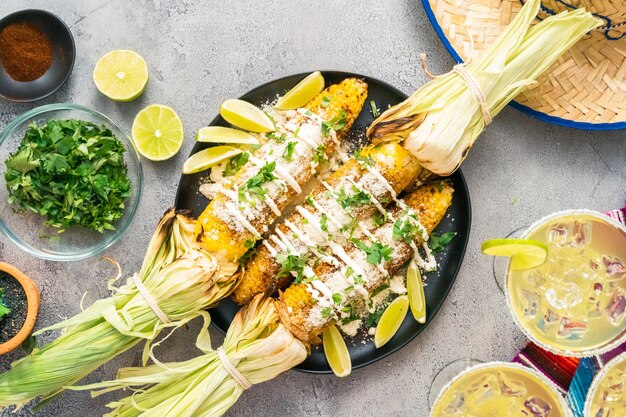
{"x": 254, "y": 185}
{"x": 438, "y": 242}
{"x": 406, "y": 228}
{"x": 235, "y": 163}
{"x": 288, "y": 152}
{"x": 375, "y": 253}
{"x": 357, "y": 199}
{"x": 336, "y": 123}
{"x": 70, "y": 171}
{"x": 290, "y": 264}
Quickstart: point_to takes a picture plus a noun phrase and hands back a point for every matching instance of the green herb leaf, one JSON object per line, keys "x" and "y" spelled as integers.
{"x": 364, "y": 160}
{"x": 324, "y": 222}
{"x": 357, "y": 199}
{"x": 406, "y": 229}
{"x": 373, "y": 319}
{"x": 325, "y": 101}
{"x": 4, "y": 310}
{"x": 253, "y": 185}
{"x": 235, "y": 163}
{"x": 280, "y": 139}
{"x": 320, "y": 155}
{"x": 291, "y": 263}
{"x": 375, "y": 253}
{"x": 337, "y": 123}
{"x": 337, "y": 298}
{"x": 379, "y": 219}
{"x": 438, "y": 243}
{"x": 375, "y": 111}
{"x": 288, "y": 152}
{"x": 70, "y": 171}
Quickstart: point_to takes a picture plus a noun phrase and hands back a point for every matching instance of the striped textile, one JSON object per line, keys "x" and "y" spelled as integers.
{"x": 571, "y": 375}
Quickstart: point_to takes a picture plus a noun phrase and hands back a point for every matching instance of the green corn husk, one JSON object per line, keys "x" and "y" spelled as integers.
{"x": 181, "y": 277}
{"x": 440, "y": 122}
{"x": 257, "y": 343}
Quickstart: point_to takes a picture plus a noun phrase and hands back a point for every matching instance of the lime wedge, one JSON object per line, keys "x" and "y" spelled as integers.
{"x": 391, "y": 320}
{"x": 336, "y": 352}
{"x": 209, "y": 157}
{"x": 415, "y": 291}
{"x": 121, "y": 75}
{"x": 158, "y": 132}
{"x": 302, "y": 93}
{"x": 524, "y": 253}
{"x": 246, "y": 116}
{"x": 218, "y": 134}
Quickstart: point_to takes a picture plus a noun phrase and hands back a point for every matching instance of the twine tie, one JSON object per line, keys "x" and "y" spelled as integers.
{"x": 232, "y": 370}
{"x": 150, "y": 300}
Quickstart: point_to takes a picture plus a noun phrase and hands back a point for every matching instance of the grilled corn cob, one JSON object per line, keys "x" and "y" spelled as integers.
{"x": 240, "y": 213}
{"x": 308, "y": 308}
{"x": 396, "y": 166}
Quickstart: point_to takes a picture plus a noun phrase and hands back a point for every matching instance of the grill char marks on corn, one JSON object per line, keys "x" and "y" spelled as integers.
{"x": 396, "y": 165}
{"x": 220, "y": 228}
{"x": 296, "y": 303}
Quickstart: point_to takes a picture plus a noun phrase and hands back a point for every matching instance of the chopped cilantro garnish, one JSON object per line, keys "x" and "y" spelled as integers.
{"x": 350, "y": 227}
{"x": 70, "y": 171}
{"x": 288, "y": 152}
{"x": 280, "y": 139}
{"x": 337, "y": 298}
{"x": 310, "y": 200}
{"x": 253, "y": 185}
{"x": 326, "y": 312}
{"x": 325, "y": 101}
{"x": 379, "y": 290}
{"x": 319, "y": 155}
{"x": 249, "y": 243}
{"x": 290, "y": 264}
{"x": 438, "y": 243}
{"x": 375, "y": 253}
{"x": 359, "y": 198}
{"x": 4, "y": 310}
{"x": 235, "y": 163}
{"x": 337, "y": 123}
{"x": 324, "y": 222}
{"x": 296, "y": 132}
{"x": 379, "y": 218}
{"x": 364, "y": 160}
{"x": 375, "y": 111}
{"x": 405, "y": 229}
{"x": 373, "y": 319}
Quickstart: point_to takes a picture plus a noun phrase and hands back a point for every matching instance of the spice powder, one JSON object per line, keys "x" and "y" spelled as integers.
{"x": 25, "y": 51}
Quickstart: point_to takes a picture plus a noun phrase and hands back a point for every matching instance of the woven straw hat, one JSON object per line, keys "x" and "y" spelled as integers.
{"x": 586, "y": 88}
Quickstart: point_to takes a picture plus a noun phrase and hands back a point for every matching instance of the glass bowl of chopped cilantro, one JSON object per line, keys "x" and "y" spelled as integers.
{"x": 70, "y": 182}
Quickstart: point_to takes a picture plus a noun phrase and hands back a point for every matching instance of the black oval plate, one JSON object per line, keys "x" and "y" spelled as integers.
{"x": 439, "y": 283}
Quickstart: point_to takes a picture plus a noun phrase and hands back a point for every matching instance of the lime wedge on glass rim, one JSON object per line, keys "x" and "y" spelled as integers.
{"x": 158, "y": 132}
{"x": 391, "y": 320}
{"x": 302, "y": 93}
{"x": 121, "y": 75}
{"x": 415, "y": 291}
{"x": 524, "y": 253}
{"x": 336, "y": 352}
{"x": 219, "y": 134}
{"x": 209, "y": 157}
{"x": 246, "y": 116}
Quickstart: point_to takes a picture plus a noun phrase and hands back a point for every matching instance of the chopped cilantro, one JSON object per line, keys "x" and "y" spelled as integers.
{"x": 438, "y": 243}
{"x": 296, "y": 132}
{"x": 288, "y": 152}
{"x": 70, "y": 171}
{"x": 326, "y": 312}
{"x": 325, "y": 101}
{"x": 280, "y": 139}
{"x": 375, "y": 111}
{"x": 379, "y": 290}
{"x": 324, "y": 222}
{"x": 380, "y": 218}
{"x": 373, "y": 319}
{"x": 337, "y": 298}
{"x": 249, "y": 243}
{"x": 405, "y": 229}
{"x": 235, "y": 163}
{"x": 310, "y": 201}
{"x": 337, "y": 123}
{"x": 291, "y": 263}
{"x": 359, "y": 198}
{"x": 319, "y": 155}
{"x": 375, "y": 253}
{"x": 364, "y": 160}
{"x": 253, "y": 185}
{"x": 350, "y": 227}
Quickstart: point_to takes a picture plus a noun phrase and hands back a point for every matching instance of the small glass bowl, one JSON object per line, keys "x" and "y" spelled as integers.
{"x": 28, "y": 230}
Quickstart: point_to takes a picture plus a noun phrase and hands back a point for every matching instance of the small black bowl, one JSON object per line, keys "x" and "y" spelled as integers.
{"x": 63, "y": 55}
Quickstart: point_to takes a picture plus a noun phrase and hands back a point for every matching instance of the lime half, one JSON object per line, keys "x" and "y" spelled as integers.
{"x": 246, "y": 116}
{"x": 218, "y": 134}
{"x": 158, "y": 132}
{"x": 415, "y": 291}
{"x": 302, "y": 93}
{"x": 209, "y": 157}
{"x": 121, "y": 75}
{"x": 524, "y": 253}
{"x": 336, "y": 352}
{"x": 391, "y": 320}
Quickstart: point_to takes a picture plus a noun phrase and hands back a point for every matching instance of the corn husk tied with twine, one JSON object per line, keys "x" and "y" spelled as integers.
{"x": 182, "y": 280}
{"x": 440, "y": 122}
{"x": 257, "y": 344}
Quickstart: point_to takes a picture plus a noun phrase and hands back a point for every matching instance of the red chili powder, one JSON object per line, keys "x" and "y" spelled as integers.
{"x": 25, "y": 51}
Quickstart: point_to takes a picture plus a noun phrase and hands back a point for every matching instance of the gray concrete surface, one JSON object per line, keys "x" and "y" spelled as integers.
{"x": 202, "y": 52}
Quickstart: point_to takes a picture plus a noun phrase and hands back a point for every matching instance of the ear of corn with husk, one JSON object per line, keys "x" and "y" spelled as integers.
{"x": 180, "y": 276}
{"x": 257, "y": 344}
{"x": 440, "y": 122}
